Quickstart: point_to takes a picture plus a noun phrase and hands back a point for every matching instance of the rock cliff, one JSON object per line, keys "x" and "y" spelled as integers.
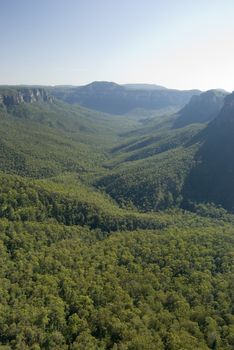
{"x": 10, "y": 96}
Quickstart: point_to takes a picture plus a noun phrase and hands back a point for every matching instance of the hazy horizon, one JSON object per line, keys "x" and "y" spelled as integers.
{"x": 177, "y": 44}
{"x": 104, "y": 81}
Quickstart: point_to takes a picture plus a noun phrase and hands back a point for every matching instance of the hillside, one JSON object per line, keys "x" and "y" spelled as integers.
{"x": 211, "y": 179}
{"x": 41, "y": 138}
{"x": 201, "y": 108}
{"x": 149, "y": 169}
{"x": 118, "y": 99}
{"x": 160, "y": 166}
{"x": 96, "y": 250}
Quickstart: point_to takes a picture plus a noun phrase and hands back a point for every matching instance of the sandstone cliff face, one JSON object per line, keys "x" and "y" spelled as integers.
{"x": 14, "y": 96}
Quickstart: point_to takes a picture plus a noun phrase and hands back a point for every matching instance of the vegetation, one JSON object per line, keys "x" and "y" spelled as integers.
{"x": 150, "y": 171}
{"x": 201, "y": 109}
{"x": 151, "y": 184}
{"x": 211, "y": 179}
{"x": 96, "y": 252}
{"x": 66, "y": 288}
{"x": 45, "y": 139}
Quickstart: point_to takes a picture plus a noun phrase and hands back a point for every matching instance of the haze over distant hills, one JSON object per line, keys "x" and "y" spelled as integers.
{"x": 144, "y": 87}
{"x": 120, "y": 99}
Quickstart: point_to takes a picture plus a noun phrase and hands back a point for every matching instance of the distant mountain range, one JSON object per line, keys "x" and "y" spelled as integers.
{"x": 120, "y": 99}
{"x": 144, "y": 87}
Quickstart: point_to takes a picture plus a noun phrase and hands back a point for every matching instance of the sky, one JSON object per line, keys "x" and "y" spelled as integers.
{"x": 180, "y": 44}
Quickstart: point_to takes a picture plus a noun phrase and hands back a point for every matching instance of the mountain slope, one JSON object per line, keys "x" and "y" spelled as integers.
{"x": 212, "y": 179}
{"x": 154, "y": 183}
{"x": 43, "y": 138}
{"x": 79, "y": 272}
{"x": 201, "y": 108}
{"x": 149, "y": 168}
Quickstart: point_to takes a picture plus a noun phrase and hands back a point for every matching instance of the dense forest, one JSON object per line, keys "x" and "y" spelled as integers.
{"x": 110, "y": 235}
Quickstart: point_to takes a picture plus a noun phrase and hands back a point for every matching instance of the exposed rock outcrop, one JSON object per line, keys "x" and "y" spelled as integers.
{"x": 16, "y": 95}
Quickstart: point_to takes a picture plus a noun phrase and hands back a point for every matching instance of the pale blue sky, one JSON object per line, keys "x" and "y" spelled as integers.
{"x": 176, "y": 43}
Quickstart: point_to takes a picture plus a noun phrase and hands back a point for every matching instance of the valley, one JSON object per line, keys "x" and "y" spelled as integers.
{"x": 117, "y": 218}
